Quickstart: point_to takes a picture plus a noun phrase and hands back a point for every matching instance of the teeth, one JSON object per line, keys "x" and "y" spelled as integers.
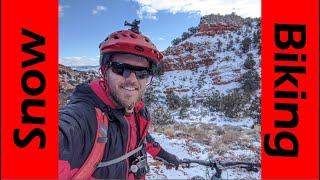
{"x": 129, "y": 88}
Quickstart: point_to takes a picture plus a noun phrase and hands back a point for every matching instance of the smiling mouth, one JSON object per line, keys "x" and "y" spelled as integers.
{"x": 130, "y": 88}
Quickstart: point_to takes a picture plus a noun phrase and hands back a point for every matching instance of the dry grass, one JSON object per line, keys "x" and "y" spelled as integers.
{"x": 169, "y": 131}
{"x": 231, "y": 135}
{"x": 254, "y": 134}
{"x": 219, "y": 131}
{"x": 221, "y": 140}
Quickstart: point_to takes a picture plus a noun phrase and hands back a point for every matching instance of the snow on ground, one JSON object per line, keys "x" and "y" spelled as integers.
{"x": 192, "y": 149}
{"x": 181, "y": 148}
{"x": 201, "y": 114}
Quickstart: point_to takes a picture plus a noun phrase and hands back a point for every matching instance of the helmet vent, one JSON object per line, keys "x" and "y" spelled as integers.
{"x": 116, "y": 37}
{"x": 147, "y": 40}
{"x": 124, "y": 35}
{"x": 131, "y": 35}
{"x": 138, "y": 48}
{"x": 155, "y": 52}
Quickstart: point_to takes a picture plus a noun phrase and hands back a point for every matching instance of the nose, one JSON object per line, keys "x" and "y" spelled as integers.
{"x": 130, "y": 75}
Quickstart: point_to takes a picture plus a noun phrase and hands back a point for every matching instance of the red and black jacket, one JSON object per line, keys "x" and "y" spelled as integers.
{"x": 78, "y": 128}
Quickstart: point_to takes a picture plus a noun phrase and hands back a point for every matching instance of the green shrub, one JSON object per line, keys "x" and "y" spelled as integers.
{"x": 176, "y": 41}
{"x": 159, "y": 71}
{"x": 193, "y": 30}
{"x": 183, "y": 112}
{"x": 185, "y": 102}
{"x": 185, "y": 35}
{"x": 237, "y": 39}
{"x": 219, "y": 45}
{"x": 257, "y": 37}
{"x": 233, "y": 104}
{"x": 161, "y": 116}
{"x": 213, "y": 102}
{"x": 173, "y": 101}
{"x": 249, "y": 63}
{"x": 230, "y": 45}
{"x": 255, "y": 110}
{"x": 149, "y": 97}
{"x": 250, "y": 81}
{"x": 245, "y": 44}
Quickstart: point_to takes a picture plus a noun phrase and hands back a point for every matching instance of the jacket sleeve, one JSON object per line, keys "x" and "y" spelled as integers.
{"x": 153, "y": 147}
{"x": 76, "y": 137}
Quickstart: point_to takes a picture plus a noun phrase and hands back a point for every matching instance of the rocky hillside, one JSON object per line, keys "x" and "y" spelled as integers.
{"x": 216, "y": 58}
{"x": 222, "y": 55}
{"x": 69, "y": 78}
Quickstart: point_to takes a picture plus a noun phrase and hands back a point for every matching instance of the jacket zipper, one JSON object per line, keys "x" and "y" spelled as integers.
{"x": 144, "y": 130}
{"x": 127, "y": 149}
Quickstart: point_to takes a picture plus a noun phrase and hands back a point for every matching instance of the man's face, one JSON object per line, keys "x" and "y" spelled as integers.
{"x": 126, "y": 92}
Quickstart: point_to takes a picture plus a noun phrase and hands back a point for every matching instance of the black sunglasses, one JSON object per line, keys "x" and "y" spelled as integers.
{"x": 125, "y": 70}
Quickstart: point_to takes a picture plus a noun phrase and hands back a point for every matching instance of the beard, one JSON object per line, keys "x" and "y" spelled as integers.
{"x": 126, "y": 95}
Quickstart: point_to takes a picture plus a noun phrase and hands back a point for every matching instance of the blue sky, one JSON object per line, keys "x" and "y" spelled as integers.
{"x": 83, "y": 24}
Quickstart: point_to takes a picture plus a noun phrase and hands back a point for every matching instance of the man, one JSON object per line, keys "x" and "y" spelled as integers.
{"x": 127, "y": 59}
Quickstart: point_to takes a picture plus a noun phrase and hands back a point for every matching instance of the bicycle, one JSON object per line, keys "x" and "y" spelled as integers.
{"x": 218, "y": 165}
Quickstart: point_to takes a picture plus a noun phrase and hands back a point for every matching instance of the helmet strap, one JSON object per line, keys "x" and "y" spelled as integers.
{"x": 151, "y": 82}
{"x": 103, "y": 72}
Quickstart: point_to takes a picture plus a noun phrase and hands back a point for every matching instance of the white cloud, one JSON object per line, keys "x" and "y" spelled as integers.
{"x": 79, "y": 61}
{"x": 161, "y": 39}
{"x": 147, "y": 12}
{"x": 98, "y": 9}
{"x": 62, "y": 9}
{"x": 245, "y": 8}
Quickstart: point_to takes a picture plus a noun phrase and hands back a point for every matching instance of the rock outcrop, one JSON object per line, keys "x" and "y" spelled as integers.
{"x": 69, "y": 78}
{"x": 211, "y": 25}
{"x": 186, "y": 54}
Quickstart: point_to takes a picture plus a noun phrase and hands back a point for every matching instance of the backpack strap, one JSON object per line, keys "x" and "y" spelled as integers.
{"x": 118, "y": 159}
{"x": 97, "y": 151}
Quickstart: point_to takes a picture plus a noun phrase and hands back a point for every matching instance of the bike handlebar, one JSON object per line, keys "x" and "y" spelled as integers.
{"x": 215, "y": 164}
{"x": 201, "y": 162}
{"x": 234, "y": 163}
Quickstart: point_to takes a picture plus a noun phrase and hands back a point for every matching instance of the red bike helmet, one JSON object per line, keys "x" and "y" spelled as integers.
{"x": 127, "y": 41}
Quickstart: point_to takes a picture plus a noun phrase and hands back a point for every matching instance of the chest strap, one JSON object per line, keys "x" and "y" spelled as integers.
{"x": 118, "y": 159}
